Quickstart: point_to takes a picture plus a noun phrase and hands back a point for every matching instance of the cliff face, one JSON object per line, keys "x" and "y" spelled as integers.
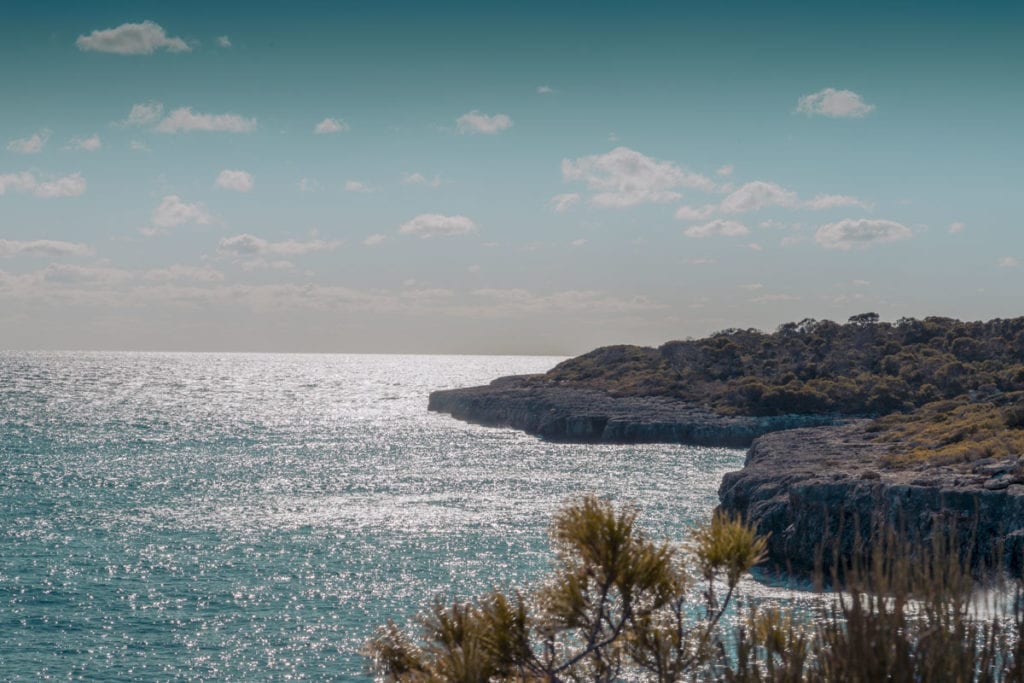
{"x": 815, "y": 489}
{"x": 590, "y": 416}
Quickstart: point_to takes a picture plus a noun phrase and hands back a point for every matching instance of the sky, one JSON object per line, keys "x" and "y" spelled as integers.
{"x": 530, "y": 177}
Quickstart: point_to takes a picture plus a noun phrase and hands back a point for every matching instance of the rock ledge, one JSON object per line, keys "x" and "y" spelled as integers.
{"x": 558, "y": 413}
{"x": 810, "y": 488}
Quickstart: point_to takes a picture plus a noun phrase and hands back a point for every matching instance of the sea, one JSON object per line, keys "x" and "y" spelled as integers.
{"x": 192, "y": 516}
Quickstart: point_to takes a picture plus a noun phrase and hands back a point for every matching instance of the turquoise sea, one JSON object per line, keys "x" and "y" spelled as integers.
{"x": 253, "y": 516}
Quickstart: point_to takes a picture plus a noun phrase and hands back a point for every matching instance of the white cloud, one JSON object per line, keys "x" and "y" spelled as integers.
{"x": 694, "y": 213}
{"x": 70, "y": 274}
{"x": 137, "y": 146}
{"x": 751, "y": 287}
{"x": 172, "y": 212}
{"x": 956, "y": 227}
{"x": 89, "y": 144}
{"x": 578, "y": 242}
{"x": 420, "y": 179}
{"x": 246, "y": 245}
{"x": 717, "y": 227}
{"x": 834, "y": 104}
{"x": 725, "y": 170}
{"x": 18, "y": 182}
{"x": 475, "y": 122}
{"x": 832, "y": 201}
{"x": 308, "y": 185}
{"x": 143, "y": 114}
{"x": 356, "y": 186}
{"x": 374, "y": 240}
{"x": 184, "y": 120}
{"x": 561, "y": 203}
{"x": 860, "y": 234}
{"x": 26, "y": 183}
{"x": 428, "y": 225}
{"x": 69, "y": 186}
{"x": 624, "y": 177}
{"x": 473, "y": 269}
{"x": 31, "y": 145}
{"x": 180, "y": 272}
{"x": 44, "y": 248}
{"x": 1008, "y": 262}
{"x": 223, "y": 41}
{"x": 239, "y": 181}
{"x": 757, "y": 195}
{"x": 329, "y": 125}
{"x": 131, "y": 39}
{"x": 545, "y": 90}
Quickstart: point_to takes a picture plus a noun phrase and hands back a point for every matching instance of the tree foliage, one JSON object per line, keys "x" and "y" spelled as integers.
{"x": 863, "y": 367}
{"x": 615, "y": 604}
{"x": 621, "y": 607}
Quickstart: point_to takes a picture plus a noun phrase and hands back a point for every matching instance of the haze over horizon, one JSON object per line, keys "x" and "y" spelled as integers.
{"x": 451, "y": 178}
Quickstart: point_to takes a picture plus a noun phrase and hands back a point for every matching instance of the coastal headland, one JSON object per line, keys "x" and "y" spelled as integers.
{"x": 915, "y": 426}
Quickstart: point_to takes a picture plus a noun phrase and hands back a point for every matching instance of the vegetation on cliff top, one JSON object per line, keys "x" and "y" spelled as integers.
{"x": 956, "y": 430}
{"x": 863, "y": 367}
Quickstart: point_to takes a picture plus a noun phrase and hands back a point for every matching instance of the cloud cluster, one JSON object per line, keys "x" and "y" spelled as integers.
{"x": 624, "y": 177}
{"x": 860, "y": 234}
{"x": 561, "y": 203}
{"x": 132, "y": 39}
{"x": 357, "y": 186}
{"x": 725, "y": 228}
{"x": 89, "y": 144}
{"x": 43, "y": 248}
{"x": 184, "y": 120}
{"x": 758, "y": 195}
{"x": 329, "y": 126}
{"x": 26, "y": 183}
{"x": 239, "y": 181}
{"x": 31, "y": 145}
{"x": 420, "y": 179}
{"x": 246, "y": 245}
{"x": 172, "y": 212}
{"x": 836, "y": 104}
{"x": 476, "y": 122}
{"x": 427, "y": 225}
{"x": 144, "y": 113}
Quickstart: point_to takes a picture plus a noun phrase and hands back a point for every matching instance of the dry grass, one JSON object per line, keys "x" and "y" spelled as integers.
{"x": 954, "y": 431}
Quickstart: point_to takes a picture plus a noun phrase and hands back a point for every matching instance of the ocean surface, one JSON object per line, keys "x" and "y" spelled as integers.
{"x": 255, "y": 516}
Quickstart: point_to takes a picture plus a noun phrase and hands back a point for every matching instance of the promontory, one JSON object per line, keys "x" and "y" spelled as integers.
{"x": 913, "y": 423}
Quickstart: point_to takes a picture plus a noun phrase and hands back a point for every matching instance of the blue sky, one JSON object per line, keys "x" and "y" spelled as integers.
{"x": 446, "y": 177}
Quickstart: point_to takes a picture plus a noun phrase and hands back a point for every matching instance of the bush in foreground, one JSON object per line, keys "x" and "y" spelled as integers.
{"x": 619, "y": 606}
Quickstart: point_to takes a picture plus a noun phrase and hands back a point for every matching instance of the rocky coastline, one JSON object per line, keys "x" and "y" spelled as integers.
{"x": 579, "y": 415}
{"x": 828, "y": 487}
{"x": 809, "y": 481}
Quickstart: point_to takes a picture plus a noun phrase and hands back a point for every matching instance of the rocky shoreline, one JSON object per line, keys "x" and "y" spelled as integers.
{"x": 809, "y": 481}
{"x": 557, "y": 413}
{"x": 828, "y": 486}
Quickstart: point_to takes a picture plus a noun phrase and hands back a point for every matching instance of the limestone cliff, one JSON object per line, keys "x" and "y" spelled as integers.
{"x": 818, "y": 490}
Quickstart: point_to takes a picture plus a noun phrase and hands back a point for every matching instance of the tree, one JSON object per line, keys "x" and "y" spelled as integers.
{"x": 616, "y": 604}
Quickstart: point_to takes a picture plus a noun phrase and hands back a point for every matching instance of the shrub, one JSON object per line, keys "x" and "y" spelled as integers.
{"x": 618, "y": 606}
